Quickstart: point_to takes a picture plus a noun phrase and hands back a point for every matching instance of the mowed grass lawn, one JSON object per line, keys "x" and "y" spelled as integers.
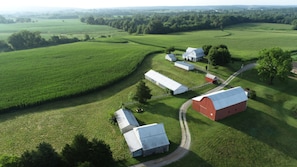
{"x": 32, "y": 76}
{"x": 263, "y": 135}
{"x": 243, "y": 41}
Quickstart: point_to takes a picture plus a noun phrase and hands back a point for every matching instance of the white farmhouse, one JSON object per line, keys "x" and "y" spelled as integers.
{"x": 193, "y": 54}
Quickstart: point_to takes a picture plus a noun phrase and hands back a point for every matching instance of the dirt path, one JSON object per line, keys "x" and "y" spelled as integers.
{"x": 185, "y": 144}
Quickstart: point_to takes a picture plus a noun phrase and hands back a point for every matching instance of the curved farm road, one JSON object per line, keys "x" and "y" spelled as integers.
{"x": 184, "y": 146}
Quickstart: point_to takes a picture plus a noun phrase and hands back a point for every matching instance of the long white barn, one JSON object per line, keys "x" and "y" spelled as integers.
{"x": 165, "y": 82}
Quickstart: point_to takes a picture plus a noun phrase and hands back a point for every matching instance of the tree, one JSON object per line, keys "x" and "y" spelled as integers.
{"x": 170, "y": 49}
{"x": 219, "y": 55}
{"x": 274, "y": 63}
{"x": 294, "y": 23}
{"x": 4, "y": 47}
{"x": 143, "y": 93}
{"x": 8, "y": 161}
{"x": 26, "y": 40}
{"x": 45, "y": 156}
{"x": 206, "y": 49}
{"x": 83, "y": 152}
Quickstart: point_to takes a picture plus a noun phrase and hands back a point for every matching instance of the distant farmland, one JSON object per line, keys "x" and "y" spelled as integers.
{"x": 66, "y": 27}
{"x": 244, "y": 41}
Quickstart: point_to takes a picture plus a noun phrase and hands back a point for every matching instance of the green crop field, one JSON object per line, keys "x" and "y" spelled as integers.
{"x": 263, "y": 135}
{"x": 37, "y": 75}
{"x": 66, "y": 27}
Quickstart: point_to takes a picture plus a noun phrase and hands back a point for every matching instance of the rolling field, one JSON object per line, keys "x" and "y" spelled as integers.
{"x": 67, "y": 27}
{"x": 263, "y": 135}
{"x": 37, "y": 75}
{"x": 244, "y": 41}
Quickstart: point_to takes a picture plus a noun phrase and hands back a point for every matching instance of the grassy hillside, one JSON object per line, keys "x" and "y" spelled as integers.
{"x": 244, "y": 41}
{"x": 37, "y": 75}
{"x": 263, "y": 135}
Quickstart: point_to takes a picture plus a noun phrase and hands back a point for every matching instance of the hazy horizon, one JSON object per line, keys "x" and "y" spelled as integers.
{"x": 16, "y": 5}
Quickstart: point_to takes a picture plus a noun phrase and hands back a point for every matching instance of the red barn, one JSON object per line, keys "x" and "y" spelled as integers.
{"x": 210, "y": 78}
{"x": 221, "y": 104}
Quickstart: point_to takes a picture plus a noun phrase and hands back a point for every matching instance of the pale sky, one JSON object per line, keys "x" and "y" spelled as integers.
{"x": 17, "y": 4}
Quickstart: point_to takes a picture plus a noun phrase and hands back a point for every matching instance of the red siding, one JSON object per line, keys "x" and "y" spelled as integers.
{"x": 205, "y": 107}
{"x": 209, "y": 80}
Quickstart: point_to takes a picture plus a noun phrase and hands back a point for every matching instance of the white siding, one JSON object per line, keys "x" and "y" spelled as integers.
{"x": 165, "y": 82}
{"x": 170, "y": 57}
{"x": 126, "y": 120}
{"x": 184, "y": 65}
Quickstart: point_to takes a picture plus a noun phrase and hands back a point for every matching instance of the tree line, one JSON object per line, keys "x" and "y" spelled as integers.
{"x": 27, "y": 40}
{"x": 163, "y": 23}
{"x": 4, "y": 20}
{"x": 80, "y": 153}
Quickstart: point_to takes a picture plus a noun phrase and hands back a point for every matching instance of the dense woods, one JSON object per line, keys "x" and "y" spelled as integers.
{"x": 27, "y": 40}
{"x": 81, "y": 152}
{"x": 168, "y": 22}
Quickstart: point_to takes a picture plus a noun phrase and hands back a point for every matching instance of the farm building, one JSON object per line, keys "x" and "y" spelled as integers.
{"x": 126, "y": 120}
{"x": 184, "y": 65}
{"x": 221, "y": 104}
{"x": 193, "y": 54}
{"x": 165, "y": 82}
{"x": 211, "y": 78}
{"x": 170, "y": 57}
{"x": 146, "y": 140}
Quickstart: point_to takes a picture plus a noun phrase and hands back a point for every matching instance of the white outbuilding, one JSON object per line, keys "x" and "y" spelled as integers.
{"x": 126, "y": 120}
{"x": 170, "y": 57}
{"x": 184, "y": 65}
{"x": 165, "y": 82}
{"x": 146, "y": 140}
{"x": 193, "y": 54}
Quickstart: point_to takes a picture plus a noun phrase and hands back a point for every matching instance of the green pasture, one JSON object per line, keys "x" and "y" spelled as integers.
{"x": 66, "y": 27}
{"x": 263, "y": 135}
{"x": 244, "y": 41}
{"x": 37, "y": 75}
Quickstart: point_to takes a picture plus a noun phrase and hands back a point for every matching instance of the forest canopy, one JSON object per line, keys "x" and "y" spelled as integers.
{"x": 169, "y": 22}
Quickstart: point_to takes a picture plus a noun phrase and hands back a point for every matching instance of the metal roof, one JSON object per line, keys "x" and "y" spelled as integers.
{"x": 146, "y": 137}
{"x": 208, "y": 75}
{"x": 132, "y": 141}
{"x": 225, "y": 98}
{"x": 151, "y": 136}
{"x": 125, "y": 118}
{"x": 184, "y": 64}
{"x": 194, "y": 52}
{"x": 166, "y": 82}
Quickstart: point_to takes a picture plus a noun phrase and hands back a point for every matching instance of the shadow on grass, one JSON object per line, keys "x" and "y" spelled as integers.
{"x": 192, "y": 159}
{"x": 266, "y": 129}
{"x": 289, "y": 86}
